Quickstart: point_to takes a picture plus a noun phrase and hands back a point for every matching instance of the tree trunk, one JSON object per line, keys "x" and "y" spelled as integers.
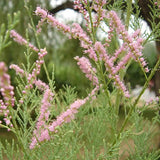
{"x": 145, "y": 11}
{"x": 157, "y": 75}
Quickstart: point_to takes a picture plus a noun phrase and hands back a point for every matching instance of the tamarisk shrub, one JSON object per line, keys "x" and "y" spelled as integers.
{"x": 73, "y": 131}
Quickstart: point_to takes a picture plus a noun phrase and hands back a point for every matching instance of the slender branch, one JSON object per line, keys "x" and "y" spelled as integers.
{"x": 145, "y": 12}
{"x": 129, "y": 12}
{"x": 137, "y": 100}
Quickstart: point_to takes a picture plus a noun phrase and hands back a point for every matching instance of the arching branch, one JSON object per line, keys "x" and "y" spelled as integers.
{"x": 145, "y": 13}
{"x": 63, "y": 6}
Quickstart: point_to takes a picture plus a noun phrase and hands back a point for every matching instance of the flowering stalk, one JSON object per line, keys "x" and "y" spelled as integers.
{"x": 20, "y": 40}
{"x": 134, "y": 47}
{"x": 65, "y": 117}
{"x": 77, "y": 32}
{"x": 36, "y": 71}
{"x": 110, "y": 68}
{"x": 87, "y": 68}
{"x": 100, "y": 12}
{"x": 42, "y": 129}
{"x": 41, "y": 132}
{"x": 32, "y": 78}
{"x": 51, "y": 20}
{"x": 7, "y": 91}
{"x": 38, "y": 83}
{"x": 86, "y": 7}
{"x": 137, "y": 99}
{"x": 130, "y": 49}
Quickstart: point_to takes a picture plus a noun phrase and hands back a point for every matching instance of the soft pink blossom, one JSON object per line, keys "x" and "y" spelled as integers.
{"x": 133, "y": 43}
{"x": 51, "y": 20}
{"x": 87, "y": 68}
{"x": 19, "y": 39}
{"x": 6, "y": 88}
{"x": 7, "y": 91}
{"x": 41, "y": 131}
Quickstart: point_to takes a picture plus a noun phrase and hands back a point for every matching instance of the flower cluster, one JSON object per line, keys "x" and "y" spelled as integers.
{"x": 82, "y": 6}
{"x": 41, "y": 132}
{"x": 109, "y": 65}
{"x": 132, "y": 44}
{"x": 51, "y": 20}
{"x": 19, "y": 39}
{"x": 96, "y": 6}
{"x": 7, "y": 91}
{"x": 100, "y": 12}
{"x": 87, "y": 68}
{"x": 17, "y": 69}
{"x": 42, "y": 129}
{"x": 32, "y": 77}
{"x": 78, "y": 32}
{"x": 96, "y": 51}
{"x": 5, "y": 111}
{"x": 5, "y": 84}
{"x": 75, "y": 32}
{"x": 39, "y": 84}
{"x": 68, "y": 115}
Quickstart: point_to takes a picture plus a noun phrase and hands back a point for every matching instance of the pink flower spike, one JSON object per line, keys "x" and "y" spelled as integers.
{"x": 5, "y": 84}
{"x": 132, "y": 43}
{"x": 87, "y": 68}
{"x": 40, "y": 85}
{"x": 41, "y": 12}
{"x": 19, "y": 39}
{"x": 41, "y": 133}
{"x": 51, "y": 20}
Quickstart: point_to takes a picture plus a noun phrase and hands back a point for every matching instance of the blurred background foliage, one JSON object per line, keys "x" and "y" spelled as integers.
{"x": 61, "y": 50}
